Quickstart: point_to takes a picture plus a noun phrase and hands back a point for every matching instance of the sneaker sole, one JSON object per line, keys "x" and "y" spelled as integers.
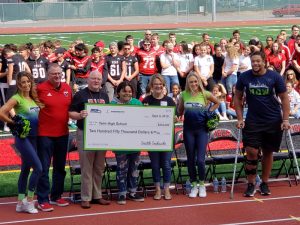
{"x": 137, "y": 200}
{"x": 252, "y": 195}
{"x": 61, "y": 205}
{"x": 121, "y": 203}
{"x": 45, "y": 210}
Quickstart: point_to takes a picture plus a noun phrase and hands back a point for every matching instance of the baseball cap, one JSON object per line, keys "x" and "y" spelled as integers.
{"x": 99, "y": 44}
{"x": 60, "y": 50}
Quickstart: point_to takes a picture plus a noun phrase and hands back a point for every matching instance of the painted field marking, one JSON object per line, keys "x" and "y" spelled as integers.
{"x": 295, "y": 218}
{"x": 258, "y": 200}
{"x": 155, "y": 209}
{"x": 260, "y": 221}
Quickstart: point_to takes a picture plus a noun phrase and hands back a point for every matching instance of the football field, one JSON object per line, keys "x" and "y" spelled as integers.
{"x": 184, "y": 34}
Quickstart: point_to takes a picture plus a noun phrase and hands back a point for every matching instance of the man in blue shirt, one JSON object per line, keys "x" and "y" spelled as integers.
{"x": 265, "y": 121}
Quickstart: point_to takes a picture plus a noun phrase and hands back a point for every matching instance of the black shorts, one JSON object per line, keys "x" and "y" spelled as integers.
{"x": 267, "y": 137}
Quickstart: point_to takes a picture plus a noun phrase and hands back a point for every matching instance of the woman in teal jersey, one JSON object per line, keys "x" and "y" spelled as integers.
{"x": 193, "y": 103}
{"x": 26, "y": 104}
{"x": 127, "y": 161}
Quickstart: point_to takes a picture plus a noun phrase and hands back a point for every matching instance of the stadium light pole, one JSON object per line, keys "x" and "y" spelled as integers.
{"x": 213, "y": 11}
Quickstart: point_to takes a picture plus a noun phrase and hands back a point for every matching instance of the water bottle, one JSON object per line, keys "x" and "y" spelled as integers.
{"x": 223, "y": 185}
{"x": 257, "y": 181}
{"x": 188, "y": 187}
{"x": 216, "y": 185}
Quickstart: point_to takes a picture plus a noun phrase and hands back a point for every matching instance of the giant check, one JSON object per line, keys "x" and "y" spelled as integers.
{"x": 130, "y": 128}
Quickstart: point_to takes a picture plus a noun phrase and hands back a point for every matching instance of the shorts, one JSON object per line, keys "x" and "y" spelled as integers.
{"x": 267, "y": 136}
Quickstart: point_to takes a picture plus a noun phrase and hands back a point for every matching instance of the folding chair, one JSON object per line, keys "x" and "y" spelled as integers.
{"x": 295, "y": 138}
{"x": 222, "y": 150}
{"x": 110, "y": 167}
{"x": 74, "y": 166}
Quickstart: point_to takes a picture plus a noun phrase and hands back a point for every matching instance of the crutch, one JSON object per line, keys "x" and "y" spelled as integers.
{"x": 294, "y": 153}
{"x": 237, "y": 151}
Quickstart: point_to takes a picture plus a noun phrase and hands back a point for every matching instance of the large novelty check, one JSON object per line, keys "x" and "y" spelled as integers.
{"x": 130, "y": 128}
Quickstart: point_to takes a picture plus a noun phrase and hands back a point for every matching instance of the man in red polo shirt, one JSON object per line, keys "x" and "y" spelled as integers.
{"x": 53, "y": 137}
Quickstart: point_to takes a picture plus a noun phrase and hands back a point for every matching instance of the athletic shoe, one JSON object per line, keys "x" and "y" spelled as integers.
{"x": 60, "y": 202}
{"x": 121, "y": 200}
{"x": 194, "y": 192}
{"x": 264, "y": 189}
{"x": 28, "y": 207}
{"x": 250, "y": 190}
{"x": 45, "y": 207}
{"x": 19, "y": 207}
{"x": 136, "y": 197}
{"x": 202, "y": 191}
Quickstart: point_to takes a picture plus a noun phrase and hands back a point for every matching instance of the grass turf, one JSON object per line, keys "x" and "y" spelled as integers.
{"x": 183, "y": 34}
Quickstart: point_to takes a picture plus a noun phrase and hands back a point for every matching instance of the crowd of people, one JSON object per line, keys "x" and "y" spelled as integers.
{"x": 49, "y": 85}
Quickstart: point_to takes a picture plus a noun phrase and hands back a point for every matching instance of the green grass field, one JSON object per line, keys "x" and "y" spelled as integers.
{"x": 189, "y": 34}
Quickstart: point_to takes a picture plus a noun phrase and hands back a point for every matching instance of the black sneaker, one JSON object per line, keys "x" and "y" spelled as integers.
{"x": 264, "y": 189}
{"x": 250, "y": 190}
{"x": 136, "y": 197}
{"x": 121, "y": 200}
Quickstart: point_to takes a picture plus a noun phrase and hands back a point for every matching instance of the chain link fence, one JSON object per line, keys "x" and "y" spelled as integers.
{"x": 94, "y": 12}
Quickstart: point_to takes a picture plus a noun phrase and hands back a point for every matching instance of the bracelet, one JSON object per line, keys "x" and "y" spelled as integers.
{"x": 285, "y": 120}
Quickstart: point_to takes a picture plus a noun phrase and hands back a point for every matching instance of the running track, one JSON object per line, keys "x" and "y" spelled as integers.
{"x": 282, "y": 207}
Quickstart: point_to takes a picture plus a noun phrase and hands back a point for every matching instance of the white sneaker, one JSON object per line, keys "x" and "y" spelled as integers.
{"x": 19, "y": 207}
{"x": 194, "y": 192}
{"x": 29, "y": 206}
{"x": 202, "y": 191}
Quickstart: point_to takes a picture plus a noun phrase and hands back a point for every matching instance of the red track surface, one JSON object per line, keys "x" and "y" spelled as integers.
{"x": 283, "y": 204}
{"x": 19, "y": 30}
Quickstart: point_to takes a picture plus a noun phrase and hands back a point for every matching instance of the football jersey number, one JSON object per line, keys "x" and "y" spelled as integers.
{"x": 38, "y": 72}
{"x": 149, "y": 62}
{"x": 22, "y": 66}
{"x": 63, "y": 77}
{"x": 115, "y": 70}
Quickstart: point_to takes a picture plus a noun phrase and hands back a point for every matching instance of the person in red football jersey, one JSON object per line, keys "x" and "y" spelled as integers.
{"x": 147, "y": 58}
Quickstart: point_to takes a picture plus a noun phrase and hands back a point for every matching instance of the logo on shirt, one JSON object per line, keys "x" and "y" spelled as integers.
{"x": 49, "y": 94}
{"x": 259, "y": 89}
{"x": 66, "y": 93}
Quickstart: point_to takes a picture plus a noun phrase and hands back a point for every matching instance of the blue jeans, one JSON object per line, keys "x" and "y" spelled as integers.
{"x": 127, "y": 172}
{"x": 57, "y": 148}
{"x": 231, "y": 112}
{"x": 30, "y": 159}
{"x": 144, "y": 81}
{"x": 195, "y": 141}
{"x": 229, "y": 82}
{"x": 170, "y": 80}
{"x": 222, "y": 108}
{"x": 297, "y": 114}
{"x": 161, "y": 160}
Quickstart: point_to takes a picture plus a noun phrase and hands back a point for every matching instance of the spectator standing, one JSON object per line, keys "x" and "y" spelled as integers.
{"x": 114, "y": 70}
{"x": 53, "y": 136}
{"x": 92, "y": 163}
{"x": 193, "y": 103}
{"x": 294, "y": 99}
{"x": 160, "y": 159}
{"x": 25, "y": 103}
{"x": 218, "y": 58}
{"x": 127, "y": 161}
{"x": 265, "y": 120}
